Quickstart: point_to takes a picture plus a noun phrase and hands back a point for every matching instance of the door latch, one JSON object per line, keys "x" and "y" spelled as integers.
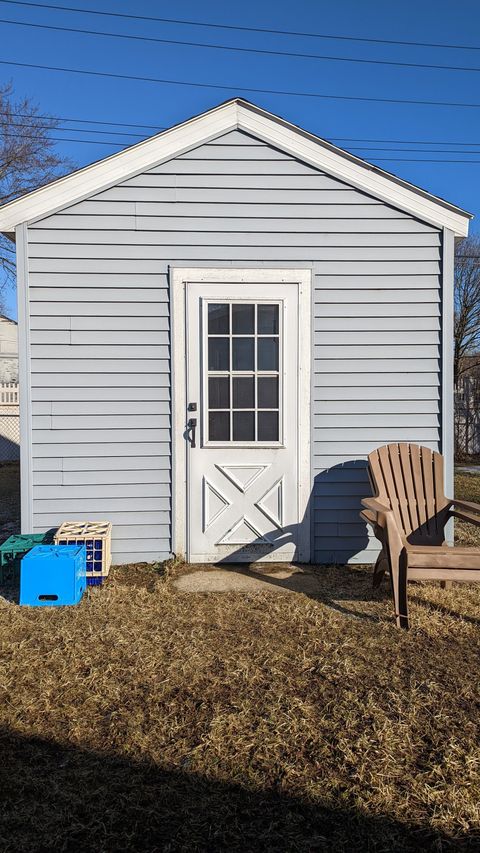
{"x": 192, "y": 426}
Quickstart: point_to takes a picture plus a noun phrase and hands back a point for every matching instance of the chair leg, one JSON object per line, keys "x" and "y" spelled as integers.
{"x": 398, "y": 574}
{"x": 381, "y": 566}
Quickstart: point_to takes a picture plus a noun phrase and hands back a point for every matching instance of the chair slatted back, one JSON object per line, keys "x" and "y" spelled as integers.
{"x": 409, "y": 479}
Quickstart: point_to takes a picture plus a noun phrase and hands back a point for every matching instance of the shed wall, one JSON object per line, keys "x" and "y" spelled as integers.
{"x": 100, "y": 333}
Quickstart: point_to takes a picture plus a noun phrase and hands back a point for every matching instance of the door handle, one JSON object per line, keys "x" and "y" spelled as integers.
{"x": 192, "y": 426}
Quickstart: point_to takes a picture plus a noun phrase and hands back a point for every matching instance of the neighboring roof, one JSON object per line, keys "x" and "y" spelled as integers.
{"x": 236, "y": 114}
{"x": 8, "y": 319}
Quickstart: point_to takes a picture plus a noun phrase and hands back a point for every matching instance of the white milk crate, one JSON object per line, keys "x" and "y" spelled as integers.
{"x": 97, "y": 537}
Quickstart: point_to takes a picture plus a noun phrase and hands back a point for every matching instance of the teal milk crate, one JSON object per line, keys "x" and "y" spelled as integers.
{"x": 53, "y": 575}
{"x": 12, "y": 551}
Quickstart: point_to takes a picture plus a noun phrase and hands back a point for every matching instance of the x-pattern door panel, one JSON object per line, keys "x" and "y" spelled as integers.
{"x": 241, "y": 502}
{"x": 242, "y": 389}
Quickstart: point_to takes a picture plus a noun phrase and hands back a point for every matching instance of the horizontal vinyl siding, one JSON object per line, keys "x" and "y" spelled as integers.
{"x": 100, "y": 333}
{"x": 101, "y": 406}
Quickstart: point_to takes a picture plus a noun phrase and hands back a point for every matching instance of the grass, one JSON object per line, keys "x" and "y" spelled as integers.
{"x": 467, "y": 487}
{"x": 146, "y": 719}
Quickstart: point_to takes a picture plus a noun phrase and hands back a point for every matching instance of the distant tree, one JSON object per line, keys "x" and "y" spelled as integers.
{"x": 467, "y": 306}
{"x": 27, "y": 161}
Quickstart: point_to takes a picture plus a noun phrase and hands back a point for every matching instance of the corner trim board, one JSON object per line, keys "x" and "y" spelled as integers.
{"x": 447, "y": 444}
{"x": 24, "y": 376}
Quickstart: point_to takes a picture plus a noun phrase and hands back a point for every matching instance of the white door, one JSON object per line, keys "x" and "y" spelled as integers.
{"x": 245, "y": 499}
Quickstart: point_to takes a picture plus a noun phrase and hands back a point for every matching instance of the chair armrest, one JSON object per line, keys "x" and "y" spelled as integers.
{"x": 469, "y": 506}
{"x": 395, "y": 538}
{"x": 464, "y": 516}
{"x": 375, "y": 505}
{"x": 465, "y": 511}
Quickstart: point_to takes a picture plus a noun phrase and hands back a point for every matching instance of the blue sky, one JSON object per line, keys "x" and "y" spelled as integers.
{"x": 102, "y": 99}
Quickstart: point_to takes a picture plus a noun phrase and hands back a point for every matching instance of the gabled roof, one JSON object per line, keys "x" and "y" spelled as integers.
{"x": 235, "y": 114}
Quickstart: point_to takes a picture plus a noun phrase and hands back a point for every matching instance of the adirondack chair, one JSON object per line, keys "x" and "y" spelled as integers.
{"x": 408, "y": 515}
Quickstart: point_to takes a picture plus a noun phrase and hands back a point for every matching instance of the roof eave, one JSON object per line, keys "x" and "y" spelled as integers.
{"x": 241, "y": 114}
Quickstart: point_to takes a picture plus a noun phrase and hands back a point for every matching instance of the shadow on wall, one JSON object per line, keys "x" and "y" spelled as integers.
{"x": 338, "y": 534}
{"x": 9, "y": 448}
{"x": 58, "y": 797}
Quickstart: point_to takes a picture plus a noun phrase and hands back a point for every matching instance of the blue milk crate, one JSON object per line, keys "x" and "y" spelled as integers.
{"x": 53, "y": 575}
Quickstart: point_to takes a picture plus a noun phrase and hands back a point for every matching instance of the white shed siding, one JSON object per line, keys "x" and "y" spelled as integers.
{"x": 98, "y": 274}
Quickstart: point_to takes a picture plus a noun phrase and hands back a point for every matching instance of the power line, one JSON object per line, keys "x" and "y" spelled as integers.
{"x": 414, "y": 150}
{"x": 35, "y": 126}
{"x": 86, "y": 120}
{"x": 64, "y": 139}
{"x": 414, "y": 160}
{"x": 284, "y": 93}
{"x": 377, "y": 160}
{"x": 136, "y": 135}
{"x": 263, "y": 30}
{"x": 260, "y": 51}
{"x": 156, "y": 127}
{"x": 403, "y": 141}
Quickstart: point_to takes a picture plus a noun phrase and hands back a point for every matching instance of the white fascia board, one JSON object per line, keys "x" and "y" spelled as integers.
{"x": 357, "y": 174}
{"x": 117, "y": 168}
{"x": 203, "y": 128}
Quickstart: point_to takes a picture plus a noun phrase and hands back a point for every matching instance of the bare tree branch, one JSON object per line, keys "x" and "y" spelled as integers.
{"x": 26, "y": 163}
{"x": 467, "y": 304}
{"x": 467, "y": 347}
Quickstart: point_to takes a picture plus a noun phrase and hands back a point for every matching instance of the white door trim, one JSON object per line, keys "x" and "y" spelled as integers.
{"x": 179, "y": 278}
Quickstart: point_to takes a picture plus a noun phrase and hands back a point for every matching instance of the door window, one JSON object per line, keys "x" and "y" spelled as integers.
{"x": 243, "y": 378}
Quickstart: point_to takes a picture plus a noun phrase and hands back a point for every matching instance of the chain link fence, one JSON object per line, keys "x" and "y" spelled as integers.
{"x": 9, "y": 422}
{"x": 9, "y": 434}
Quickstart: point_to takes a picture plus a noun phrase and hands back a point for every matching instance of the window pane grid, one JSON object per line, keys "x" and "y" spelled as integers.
{"x": 243, "y": 345}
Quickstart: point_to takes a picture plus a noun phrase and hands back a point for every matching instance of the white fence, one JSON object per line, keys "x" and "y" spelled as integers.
{"x": 9, "y": 422}
{"x": 8, "y": 394}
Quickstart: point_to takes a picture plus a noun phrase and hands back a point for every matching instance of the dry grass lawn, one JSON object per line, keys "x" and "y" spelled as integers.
{"x": 147, "y": 719}
{"x": 467, "y": 486}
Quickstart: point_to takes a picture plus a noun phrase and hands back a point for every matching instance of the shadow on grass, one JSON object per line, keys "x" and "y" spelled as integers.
{"x": 329, "y": 584}
{"x": 435, "y": 607}
{"x": 333, "y": 585}
{"x": 64, "y": 798}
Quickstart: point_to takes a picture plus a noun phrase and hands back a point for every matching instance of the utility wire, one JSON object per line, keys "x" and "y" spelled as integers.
{"x": 316, "y": 95}
{"x": 414, "y": 160}
{"x": 413, "y": 150}
{"x": 156, "y": 127}
{"x": 377, "y": 160}
{"x": 238, "y": 28}
{"x": 47, "y": 127}
{"x": 403, "y": 141}
{"x": 36, "y": 126}
{"x": 8, "y": 135}
{"x": 261, "y": 51}
{"x": 90, "y": 121}
{"x": 62, "y": 139}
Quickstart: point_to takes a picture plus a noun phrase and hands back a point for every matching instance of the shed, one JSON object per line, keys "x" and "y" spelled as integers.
{"x": 217, "y": 325}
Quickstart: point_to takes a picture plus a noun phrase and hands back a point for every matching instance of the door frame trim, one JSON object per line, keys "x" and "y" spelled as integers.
{"x": 180, "y": 278}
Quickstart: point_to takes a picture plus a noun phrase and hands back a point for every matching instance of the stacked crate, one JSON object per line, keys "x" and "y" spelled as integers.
{"x": 14, "y": 549}
{"x": 97, "y": 538}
